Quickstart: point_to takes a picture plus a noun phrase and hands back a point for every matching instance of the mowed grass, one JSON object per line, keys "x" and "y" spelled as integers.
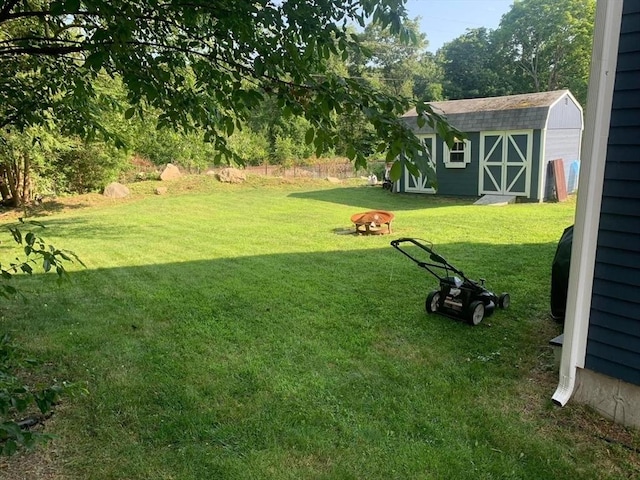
{"x": 234, "y": 332}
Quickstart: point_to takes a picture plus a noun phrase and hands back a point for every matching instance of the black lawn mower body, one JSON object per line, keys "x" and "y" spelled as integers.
{"x": 458, "y": 296}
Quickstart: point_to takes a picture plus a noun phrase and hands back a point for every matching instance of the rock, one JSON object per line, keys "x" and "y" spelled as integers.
{"x": 160, "y": 190}
{"x": 116, "y": 190}
{"x": 333, "y": 180}
{"x": 231, "y": 175}
{"x": 210, "y": 172}
{"x": 170, "y": 172}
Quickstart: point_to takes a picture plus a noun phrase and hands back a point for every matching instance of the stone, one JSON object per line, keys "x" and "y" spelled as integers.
{"x": 170, "y": 172}
{"x": 231, "y": 175}
{"x": 333, "y": 180}
{"x": 116, "y": 190}
{"x": 160, "y": 190}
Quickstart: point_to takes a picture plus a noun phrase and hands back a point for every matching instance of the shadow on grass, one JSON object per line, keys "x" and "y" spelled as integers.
{"x": 376, "y": 198}
{"x": 325, "y": 352}
{"x": 377, "y": 286}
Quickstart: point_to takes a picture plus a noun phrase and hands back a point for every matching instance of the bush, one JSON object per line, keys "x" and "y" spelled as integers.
{"x": 86, "y": 167}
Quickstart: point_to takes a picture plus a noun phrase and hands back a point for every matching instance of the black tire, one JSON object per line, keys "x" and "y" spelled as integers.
{"x": 433, "y": 301}
{"x": 504, "y": 300}
{"x": 475, "y": 312}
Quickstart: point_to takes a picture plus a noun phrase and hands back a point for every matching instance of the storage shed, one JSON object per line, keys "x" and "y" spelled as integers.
{"x": 510, "y": 142}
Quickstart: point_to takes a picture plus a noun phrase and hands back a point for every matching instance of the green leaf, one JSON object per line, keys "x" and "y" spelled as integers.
{"x": 230, "y": 126}
{"x": 308, "y": 137}
{"x": 30, "y": 238}
{"x": 17, "y": 235}
{"x": 258, "y": 67}
{"x": 351, "y": 152}
{"x": 95, "y": 60}
{"x": 72, "y": 5}
{"x": 412, "y": 168}
{"x": 396, "y": 171}
{"x": 10, "y": 448}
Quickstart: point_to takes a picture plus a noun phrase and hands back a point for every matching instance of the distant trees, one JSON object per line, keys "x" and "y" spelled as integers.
{"x": 470, "y": 67}
{"x": 540, "y": 45}
{"x": 548, "y": 42}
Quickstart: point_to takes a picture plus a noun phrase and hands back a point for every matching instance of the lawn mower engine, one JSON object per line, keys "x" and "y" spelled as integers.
{"x": 458, "y": 296}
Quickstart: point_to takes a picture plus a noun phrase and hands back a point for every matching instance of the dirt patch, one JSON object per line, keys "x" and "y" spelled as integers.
{"x": 43, "y": 463}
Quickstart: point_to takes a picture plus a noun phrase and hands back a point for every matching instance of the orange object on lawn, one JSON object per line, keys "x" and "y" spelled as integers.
{"x": 371, "y": 222}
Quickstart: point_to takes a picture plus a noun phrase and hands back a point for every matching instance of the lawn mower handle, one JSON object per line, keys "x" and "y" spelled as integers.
{"x": 441, "y": 262}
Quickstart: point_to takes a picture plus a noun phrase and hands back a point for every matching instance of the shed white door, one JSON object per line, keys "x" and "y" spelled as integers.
{"x": 505, "y": 162}
{"x": 421, "y": 184}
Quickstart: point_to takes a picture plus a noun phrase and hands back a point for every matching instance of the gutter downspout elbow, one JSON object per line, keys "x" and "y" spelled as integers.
{"x": 565, "y": 389}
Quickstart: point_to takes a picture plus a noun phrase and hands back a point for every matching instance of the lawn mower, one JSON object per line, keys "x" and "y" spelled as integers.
{"x": 458, "y": 296}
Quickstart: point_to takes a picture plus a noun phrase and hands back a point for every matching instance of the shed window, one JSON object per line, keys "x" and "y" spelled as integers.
{"x": 459, "y": 155}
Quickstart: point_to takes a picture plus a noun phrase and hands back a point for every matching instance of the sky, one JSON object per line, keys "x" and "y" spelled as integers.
{"x": 444, "y": 20}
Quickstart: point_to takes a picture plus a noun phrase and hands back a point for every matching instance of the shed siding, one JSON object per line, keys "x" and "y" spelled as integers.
{"x": 458, "y": 181}
{"x": 564, "y": 144}
{"x": 613, "y": 343}
{"x": 536, "y": 160}
{"x": 565, "y": 113}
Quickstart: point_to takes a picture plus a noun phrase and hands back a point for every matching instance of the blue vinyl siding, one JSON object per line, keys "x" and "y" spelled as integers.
{"x": 613, "y": 343}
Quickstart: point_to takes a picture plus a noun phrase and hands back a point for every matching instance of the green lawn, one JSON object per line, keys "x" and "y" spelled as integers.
{"x": 232, "y": 332}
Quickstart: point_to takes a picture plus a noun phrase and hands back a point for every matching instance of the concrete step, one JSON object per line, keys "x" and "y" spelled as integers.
{"x": 496, "y": 200}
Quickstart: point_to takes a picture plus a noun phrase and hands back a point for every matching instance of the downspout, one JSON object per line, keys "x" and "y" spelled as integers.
{"x": 585, "y": 237}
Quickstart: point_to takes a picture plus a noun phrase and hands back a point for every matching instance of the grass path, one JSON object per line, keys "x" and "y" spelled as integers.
{"x": 230, "y": 332}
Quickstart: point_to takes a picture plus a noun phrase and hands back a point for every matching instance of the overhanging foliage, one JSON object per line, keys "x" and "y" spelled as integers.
{"x": 199, "y": 64}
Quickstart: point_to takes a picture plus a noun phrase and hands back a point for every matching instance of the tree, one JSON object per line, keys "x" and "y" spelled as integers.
{"x": 549, "y": 43}
{"x": 199, "y": 64}
{"x": 428, "y": 78}
{"x": 469, "y": 67}
{"x": 387, "y": 60}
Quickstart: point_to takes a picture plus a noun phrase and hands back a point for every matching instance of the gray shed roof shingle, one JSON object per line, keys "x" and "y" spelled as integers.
{"x": 512, "y": 112}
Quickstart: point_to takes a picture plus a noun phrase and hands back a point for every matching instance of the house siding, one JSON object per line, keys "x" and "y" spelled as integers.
{"x": 613, "y": 341}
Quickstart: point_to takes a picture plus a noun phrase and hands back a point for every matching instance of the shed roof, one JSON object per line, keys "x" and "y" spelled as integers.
{"x": 512, "y": 112}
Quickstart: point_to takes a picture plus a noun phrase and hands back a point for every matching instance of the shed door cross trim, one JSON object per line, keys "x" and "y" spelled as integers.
{"x": 422, "y": 184}
{"x": 505, "y": 162}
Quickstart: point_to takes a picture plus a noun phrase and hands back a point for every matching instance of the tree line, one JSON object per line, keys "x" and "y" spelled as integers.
{"x": 85, "y": 85}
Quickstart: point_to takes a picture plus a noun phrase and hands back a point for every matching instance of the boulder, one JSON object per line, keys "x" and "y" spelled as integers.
{"x": 116, "y": 190}
{"x": 160, "y": 190}
{"x": 170, "y": 172}
{"x": 231, "y": 175}
{"x": 333, "y": 180}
